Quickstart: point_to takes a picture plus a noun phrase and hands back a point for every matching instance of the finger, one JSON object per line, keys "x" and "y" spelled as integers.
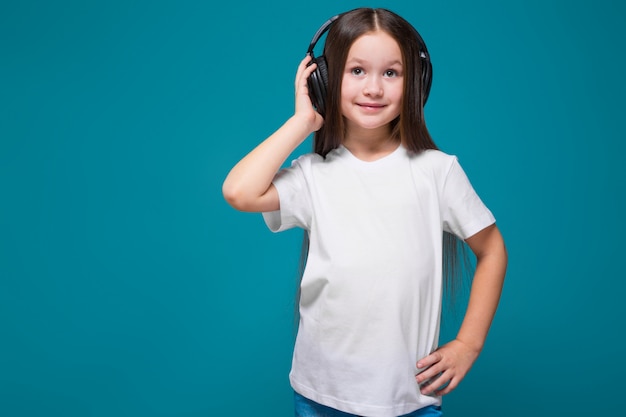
{"x": 299, "y": 71}
{"x": 306, "y": 73}
{"x": 424, "y": 386}
{"x": 304, "y": 63}
{"x": 425, "y": 382}
{"x": 429, "y": 374}
{"x": 307, "y": 58}
{"x": 447, "y": 389}
{"x": 304, "y": 69}
{"x": 435, "y": 384}
{"x": 429, "y": 360}
{"x": 302, "y": 86}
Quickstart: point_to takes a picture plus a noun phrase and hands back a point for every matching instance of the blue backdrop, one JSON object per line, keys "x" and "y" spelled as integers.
{"x": 129, "y": 288}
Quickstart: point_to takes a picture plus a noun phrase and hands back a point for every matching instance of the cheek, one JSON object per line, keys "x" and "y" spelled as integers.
{"x": 347, "y": 93}
{"x": 345, "y": 105}
{"x": 396, "y": 92}
{"x": 347, "y": 88}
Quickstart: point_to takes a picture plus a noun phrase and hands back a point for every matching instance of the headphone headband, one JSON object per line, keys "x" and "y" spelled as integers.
{"x": 318, "y": 80}
{"x": 320, "y": 32}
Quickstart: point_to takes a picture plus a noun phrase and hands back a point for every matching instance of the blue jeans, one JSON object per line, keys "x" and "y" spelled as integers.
{"x": 309, "y": 408}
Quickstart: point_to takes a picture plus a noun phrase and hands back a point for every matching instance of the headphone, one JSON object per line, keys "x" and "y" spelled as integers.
{"x": 318, "y": 80}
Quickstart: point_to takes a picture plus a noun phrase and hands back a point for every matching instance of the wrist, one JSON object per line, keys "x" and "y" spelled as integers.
{"x": 471, "y": 343}
{"x": 308, "y": 119}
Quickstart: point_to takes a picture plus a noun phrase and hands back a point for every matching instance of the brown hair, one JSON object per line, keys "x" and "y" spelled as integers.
{"x": 409, "y": 126}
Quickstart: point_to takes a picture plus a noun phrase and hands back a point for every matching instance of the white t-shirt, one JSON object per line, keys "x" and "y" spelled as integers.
{"x": 371, "y": 290}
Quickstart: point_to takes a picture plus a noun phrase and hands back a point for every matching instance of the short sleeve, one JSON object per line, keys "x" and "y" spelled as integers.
{"x": 294, "y": 196}
{"x": 463, "y": 212}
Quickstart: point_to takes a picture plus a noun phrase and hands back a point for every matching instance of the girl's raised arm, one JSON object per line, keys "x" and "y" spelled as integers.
{"x": 248, "y": 186}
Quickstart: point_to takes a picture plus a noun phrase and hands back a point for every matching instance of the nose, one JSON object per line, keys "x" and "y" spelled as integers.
{"x": 373, "y": 87}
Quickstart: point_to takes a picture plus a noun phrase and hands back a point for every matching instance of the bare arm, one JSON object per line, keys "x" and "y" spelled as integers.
{"x": 248, "y": 186}
{"x": 450, "y": 363}
{"x": 488, "y": 246}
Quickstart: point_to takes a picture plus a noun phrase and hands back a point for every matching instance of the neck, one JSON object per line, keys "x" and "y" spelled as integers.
{"x": 370, "y": 144}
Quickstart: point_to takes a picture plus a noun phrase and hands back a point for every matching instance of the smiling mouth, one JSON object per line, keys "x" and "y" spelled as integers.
{"x": 371, "y": 105}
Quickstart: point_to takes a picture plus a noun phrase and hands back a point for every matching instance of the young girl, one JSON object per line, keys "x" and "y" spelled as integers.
{"x": 375, "y": 200}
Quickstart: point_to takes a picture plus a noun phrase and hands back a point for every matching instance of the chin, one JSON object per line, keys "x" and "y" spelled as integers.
{"x": 364, "y": 123}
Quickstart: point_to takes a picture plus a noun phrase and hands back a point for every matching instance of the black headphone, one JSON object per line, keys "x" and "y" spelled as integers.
{"x": 318, "y": 80}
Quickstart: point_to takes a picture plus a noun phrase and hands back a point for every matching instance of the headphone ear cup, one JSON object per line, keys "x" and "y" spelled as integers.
{"x": 427, "y": 80}
{"x": 318, "y": 85}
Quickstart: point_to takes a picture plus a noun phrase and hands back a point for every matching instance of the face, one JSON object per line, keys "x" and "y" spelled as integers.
{"x": 372, "y": 83}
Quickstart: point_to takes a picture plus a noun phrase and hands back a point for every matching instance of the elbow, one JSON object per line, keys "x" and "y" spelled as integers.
{"x": 233, "y": 196}
{"x": 239, "y": 197}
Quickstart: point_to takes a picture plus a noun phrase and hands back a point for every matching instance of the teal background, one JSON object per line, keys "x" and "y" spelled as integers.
{"x": 129, "y": 288}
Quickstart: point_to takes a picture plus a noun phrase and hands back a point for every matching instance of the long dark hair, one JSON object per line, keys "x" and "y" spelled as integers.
{"x": 409, "y": 127}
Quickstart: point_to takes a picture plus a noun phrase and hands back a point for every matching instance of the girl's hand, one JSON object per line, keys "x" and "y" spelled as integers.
{"x": 304, "y": 107}
{"x": 446, "y": 367}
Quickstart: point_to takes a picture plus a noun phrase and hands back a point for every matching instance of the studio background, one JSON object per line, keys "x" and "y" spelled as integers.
{"x": 128, "y": 287}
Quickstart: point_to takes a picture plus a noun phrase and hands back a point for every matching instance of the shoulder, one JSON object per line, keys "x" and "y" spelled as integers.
{"x": 434, "y": 156}
{"x": 307, "y": 159}
{"x": 433, "y": 160}
{"x": 299, "y": 169}
{"x": 312, "y": 161}
{"x": 303, "y": 163}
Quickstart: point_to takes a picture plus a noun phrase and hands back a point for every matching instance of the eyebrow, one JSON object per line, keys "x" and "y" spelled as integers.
{"x": 360, "y": 61}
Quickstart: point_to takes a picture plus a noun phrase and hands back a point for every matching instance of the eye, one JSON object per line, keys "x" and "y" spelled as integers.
{"x": 391, "y": 73}
{"x": 356, "y": 71}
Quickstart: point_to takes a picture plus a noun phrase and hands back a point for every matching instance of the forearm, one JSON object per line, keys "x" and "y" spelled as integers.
{"x": 449, "y": 364}
{"x": 248, "y": 186}
{"x": 485, "y": 292}
{"x": 252, "y": 176}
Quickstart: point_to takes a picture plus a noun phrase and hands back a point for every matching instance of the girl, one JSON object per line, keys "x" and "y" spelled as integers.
{"x": 375, "y": 199}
